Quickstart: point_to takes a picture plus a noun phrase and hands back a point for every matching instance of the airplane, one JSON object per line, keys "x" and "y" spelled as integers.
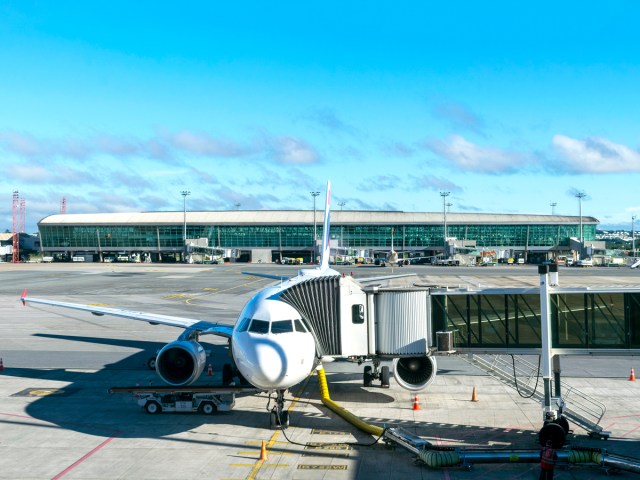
{"x": 391, "y": 258}
{"x": 273, "y": 344}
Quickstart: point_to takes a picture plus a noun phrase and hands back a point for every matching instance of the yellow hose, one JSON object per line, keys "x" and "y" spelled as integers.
{"x": 348, "y": 416}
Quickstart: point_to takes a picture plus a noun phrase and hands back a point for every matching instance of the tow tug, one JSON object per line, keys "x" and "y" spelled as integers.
{"x": 206, "y": 399}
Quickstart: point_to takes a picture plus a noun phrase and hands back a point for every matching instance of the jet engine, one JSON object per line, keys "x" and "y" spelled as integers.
{"x": 181, "y": 362}
{"x": 415, "y": 373}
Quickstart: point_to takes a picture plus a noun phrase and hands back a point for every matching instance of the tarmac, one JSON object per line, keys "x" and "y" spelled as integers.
{"x": 58, "y": 421}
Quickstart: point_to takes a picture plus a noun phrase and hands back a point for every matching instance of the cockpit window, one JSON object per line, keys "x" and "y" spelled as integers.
{"x": 259, "y": 326}
{"x": 281, "y": 326}
{"x": 299, "y": 326}
{"x": 244, "y": 324}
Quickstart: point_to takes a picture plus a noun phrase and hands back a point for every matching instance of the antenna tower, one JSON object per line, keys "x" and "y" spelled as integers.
{"x": 63, "y": 205}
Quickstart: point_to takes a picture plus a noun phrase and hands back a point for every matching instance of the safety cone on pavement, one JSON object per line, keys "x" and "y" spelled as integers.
{"x": 209, "y": 371}
{"x": 1, "y": 365}
{"x": 416, "y": 403}
{"x": 263, "y": 452}
{"x": 632, "y": 377}
{"x": 474, "y": 395}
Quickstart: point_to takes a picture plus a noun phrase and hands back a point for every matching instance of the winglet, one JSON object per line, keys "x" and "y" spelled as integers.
{"x": 326, "y": 247}
{"x": 23, "y": 297}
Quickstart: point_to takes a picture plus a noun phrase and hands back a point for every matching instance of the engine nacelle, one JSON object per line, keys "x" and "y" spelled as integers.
{"x": 414, "y": 373}
{"x": 181, "y": 362}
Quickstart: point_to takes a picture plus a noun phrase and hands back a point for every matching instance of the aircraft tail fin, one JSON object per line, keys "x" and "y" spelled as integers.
{"x": 326, "y": 247}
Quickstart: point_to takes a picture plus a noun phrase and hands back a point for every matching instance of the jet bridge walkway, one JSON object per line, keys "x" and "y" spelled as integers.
{"x": 489, "y": 324}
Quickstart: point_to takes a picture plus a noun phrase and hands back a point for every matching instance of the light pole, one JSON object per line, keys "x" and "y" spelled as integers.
{"x": 444, "y": 196}
{"x": 580, "y": 196}
{"x": 184, "y": 194}
{"x": 342, "y": 204}
{"x": 633, "y": 236}
{"x": 553, "y": 208}
{"x": 314, "y": 195}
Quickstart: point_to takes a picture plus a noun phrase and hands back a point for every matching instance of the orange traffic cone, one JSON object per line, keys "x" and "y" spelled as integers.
{"x": 474, "y": 395}
{"x": 632, "y": 377}
{"x": 1, "y": 365}
{"x": 263, "y": 452}
{"x": 209, "y": 370}
{"x": 416, "y": 403}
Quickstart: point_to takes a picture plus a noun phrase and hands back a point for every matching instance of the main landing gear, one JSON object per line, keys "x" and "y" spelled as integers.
{"x": 279, "y": 417}
{"x": 376, "y": 372}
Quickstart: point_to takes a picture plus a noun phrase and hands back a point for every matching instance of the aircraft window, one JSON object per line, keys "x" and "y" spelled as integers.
{"x": 299, "y": 326}
{"x": 259, "y": 326}
{"x": 244, "y": 324}
{"x": 282, "y": 326}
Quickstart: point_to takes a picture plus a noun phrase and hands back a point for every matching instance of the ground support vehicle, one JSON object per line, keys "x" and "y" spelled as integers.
{"x": 203, "y": 399}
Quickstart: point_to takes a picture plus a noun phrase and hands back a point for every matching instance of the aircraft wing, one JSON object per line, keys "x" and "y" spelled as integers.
{"x": 267, "y": 275}
{"x": 201, "y": 326}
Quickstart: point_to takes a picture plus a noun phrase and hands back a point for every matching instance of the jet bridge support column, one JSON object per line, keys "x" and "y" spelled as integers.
{"x": 555, "y": 426}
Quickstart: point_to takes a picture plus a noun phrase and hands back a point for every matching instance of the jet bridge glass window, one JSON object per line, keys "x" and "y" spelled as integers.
{"x": 259, "y": 326}
{"x": 281, "y": 326}
{"x": 357, "y": 314}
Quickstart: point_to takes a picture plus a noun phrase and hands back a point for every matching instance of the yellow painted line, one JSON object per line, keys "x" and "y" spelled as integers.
{"x": 256, "y": 468}
{"x": 252, "y": 442}
{"x": 274, "y": 452}
{"x": 45, "y": 392}
{"x": 271, "y": 465}
{"x": 226, "y": 290}
{"x": 99, "y": 305}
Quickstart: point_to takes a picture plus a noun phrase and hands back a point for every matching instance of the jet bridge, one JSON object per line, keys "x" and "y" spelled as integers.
{"x": 350, "y": 320}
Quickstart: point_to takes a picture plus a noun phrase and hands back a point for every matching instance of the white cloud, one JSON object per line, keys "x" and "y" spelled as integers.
{"x": 595, "y": 155}
{"x": 294, "y": 151}
{"x": 471, "y": 157}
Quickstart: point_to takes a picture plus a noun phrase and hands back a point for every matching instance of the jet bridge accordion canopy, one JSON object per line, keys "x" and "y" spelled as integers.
{"x": 317, "y": 300}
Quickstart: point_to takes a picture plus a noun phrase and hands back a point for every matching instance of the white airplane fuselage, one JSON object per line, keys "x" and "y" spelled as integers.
{"x": 271, "y": 347}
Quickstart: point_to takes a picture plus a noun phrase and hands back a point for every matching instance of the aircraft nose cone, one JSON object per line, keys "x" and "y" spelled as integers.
{"x": 272, "y": 362}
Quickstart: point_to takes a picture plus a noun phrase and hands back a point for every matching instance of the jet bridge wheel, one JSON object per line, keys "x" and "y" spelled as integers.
{"x": 564, "y": 423}
{"x": 384, "y": 377}
{"x": 368, "y": 376}
{"x": 554, "y": 432}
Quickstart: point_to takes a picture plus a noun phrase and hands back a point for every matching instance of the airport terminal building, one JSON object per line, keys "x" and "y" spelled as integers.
{"x": 264, "y": 236}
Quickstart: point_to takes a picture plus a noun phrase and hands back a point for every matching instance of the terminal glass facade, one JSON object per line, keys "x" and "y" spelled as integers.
{"x": 153, "y": 237}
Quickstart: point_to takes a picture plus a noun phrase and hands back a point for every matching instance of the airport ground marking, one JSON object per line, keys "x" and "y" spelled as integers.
{"x": 272, "y": 441}
{"x": 83, "y": 458}
{"x": 188, "y": 301}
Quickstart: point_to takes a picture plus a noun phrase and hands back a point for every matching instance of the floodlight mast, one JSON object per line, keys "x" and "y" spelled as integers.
{"x": 184, "y": 194}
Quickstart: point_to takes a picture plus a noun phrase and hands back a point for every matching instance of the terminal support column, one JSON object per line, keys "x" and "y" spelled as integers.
{"x": 546, "y": 351}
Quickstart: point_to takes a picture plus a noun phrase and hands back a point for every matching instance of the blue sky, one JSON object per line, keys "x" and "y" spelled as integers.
{"x": 509, "y": 107}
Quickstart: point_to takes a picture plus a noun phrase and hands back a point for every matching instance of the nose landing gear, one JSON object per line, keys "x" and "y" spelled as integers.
{"x": 279, "y": 417}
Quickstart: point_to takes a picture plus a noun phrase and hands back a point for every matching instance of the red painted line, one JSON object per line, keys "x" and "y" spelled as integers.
{"x": 78, "y": 462}
{"x": 630, "y": 432}
{"x": 20, "y": 416}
